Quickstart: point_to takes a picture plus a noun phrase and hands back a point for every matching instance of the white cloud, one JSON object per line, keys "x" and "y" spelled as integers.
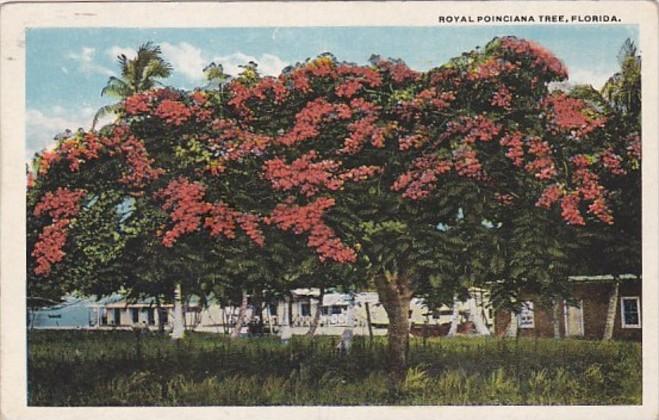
{"x": 596, "y": 78}
{"x": 271, "y": 64}
{"x": 186, "y": 59}
{"x": 116, "y": 51}
{"x": 189, "y": 61}
{"x": 268, "y": 64}
{"x": 86, "y": 63}
{"x": 43, "y": 126}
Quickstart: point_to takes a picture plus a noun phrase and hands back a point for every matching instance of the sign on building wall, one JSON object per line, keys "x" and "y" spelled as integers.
{"x": 526, "y": 319}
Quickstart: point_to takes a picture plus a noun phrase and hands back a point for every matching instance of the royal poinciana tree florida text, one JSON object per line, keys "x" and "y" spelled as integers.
{"x": 474, "y": 173}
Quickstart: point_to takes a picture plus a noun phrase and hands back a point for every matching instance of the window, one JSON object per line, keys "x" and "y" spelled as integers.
{"x": 151, "y": 316}
{"x": 439, "y": 313}
{"x": 163, "y": 316}
{"x": 273, "y": 309}
{"x": 526, "y": 318}
{"x": 135, "y": 315}
{"x": 333, "y": 309}
{"x": 116, "y": 316}
{"x": 337, "y": 309}
{"x": 630, "y": 308}
{"x": 305, "y": 309}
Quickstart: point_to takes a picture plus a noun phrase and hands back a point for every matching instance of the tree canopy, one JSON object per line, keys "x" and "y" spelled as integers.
{"x": 426, "y": 183}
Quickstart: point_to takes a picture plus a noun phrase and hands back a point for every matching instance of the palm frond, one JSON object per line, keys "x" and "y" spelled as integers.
{"x": 103, "y": 111}
{"x": 117, "y": 88}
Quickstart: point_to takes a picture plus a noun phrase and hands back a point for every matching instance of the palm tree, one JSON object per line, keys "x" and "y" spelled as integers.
{"x": 623, "y": 89}
{"x": 137, "y": 74}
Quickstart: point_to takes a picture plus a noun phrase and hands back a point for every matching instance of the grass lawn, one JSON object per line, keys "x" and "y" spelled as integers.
{"x": 80, "y": 368}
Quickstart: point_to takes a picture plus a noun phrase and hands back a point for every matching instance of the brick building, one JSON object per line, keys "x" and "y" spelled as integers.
{"x": 593, "y": 300}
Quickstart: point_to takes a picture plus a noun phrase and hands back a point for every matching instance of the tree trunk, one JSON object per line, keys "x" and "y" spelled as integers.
{"x": 179, "y": 327}
{"x": 316, "y": 317}
{"x": 368, "y": 322}
{"x": 395, "y": 293}
{"x": 476, "y": 316}
{"x": 161, "y": 324}
{"x": 611, "y": 311}
{"x": 241, "y": 316}
{"x": 454, "y": 318}
{"x": 511, "y": 331}
{"x": 257, "y": 309}
{"x": 555, "y": 318}
{"x": 290, "y": 310}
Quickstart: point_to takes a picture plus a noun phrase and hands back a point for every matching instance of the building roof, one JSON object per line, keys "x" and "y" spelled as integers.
{"x": 603, "y": 278}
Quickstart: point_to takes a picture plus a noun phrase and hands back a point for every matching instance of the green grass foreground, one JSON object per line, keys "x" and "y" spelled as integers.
{"x": 78, "y": 368}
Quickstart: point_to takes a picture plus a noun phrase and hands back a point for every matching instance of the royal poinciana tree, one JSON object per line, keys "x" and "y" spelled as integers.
{"x": 473, "y": 173}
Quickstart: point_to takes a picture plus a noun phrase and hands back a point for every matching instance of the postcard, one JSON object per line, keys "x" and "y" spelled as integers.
{"x": 329, "y": 209}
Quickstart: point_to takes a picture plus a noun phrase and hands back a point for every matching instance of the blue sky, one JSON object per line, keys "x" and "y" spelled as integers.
{"x": 68, "y": 67}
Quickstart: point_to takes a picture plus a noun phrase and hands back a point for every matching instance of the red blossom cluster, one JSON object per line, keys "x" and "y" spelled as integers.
{"x": 570, "y": 209}
{"x": 120, "y": 142}
{"x": 142, "y": 102}
{"x": 478, "y": 128}
{"x": 310, "y": 176}
{"x": 61, "y": 206}
{"x": 634, "y": 146}
{"x": 199, "y": 98}
{"x": 242, "y": 93}
{"x": 183, "y": 200}
{"x": 234, "y": 142}
{"x": 570, "y": 115}
{"x": 587, "y": 188}
{"x": 308, "y": 219}
{"x": 348, "y": 89}
{"x": 302, "y": 173}
{"x": 30, "y": 179}
{"x": 502, "y": 98}
{"x": 368, "y": 76}
{"x": 141, "y": 169}
{"x": 412, "y": 141}
{"x": 48, "y": 249}
{"x": 185, "y": 204}
{"x": 504, "y": 199}
{"x": 301, "y": 80}
{"x": 46, "y": 160}
{"x": 138, "y": 104}
{"x": 421, "y": 179}
{"x": 360, "y": 173}
{"x": 322, "y": 66}
{"x": 221, "y": 220}
{"x": 514, "y": 143}
{"x": 491, "y": 68}
{"x": 77, "y": 152}
{"x": 361, "y": 132}
{"x": 173, "y": 112}
{"x": 549, "y": 196}
{"x": 543, "y": 59}
{"x": 399, "y": 71}
{"x": 249, "y": 223}
{"x": 428, "y": 99}
{"x": 542, "y": 166}
{"x": 467, "y": 164}
{"x": 307, "y": 122}
{"x": 612, "y": 162}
